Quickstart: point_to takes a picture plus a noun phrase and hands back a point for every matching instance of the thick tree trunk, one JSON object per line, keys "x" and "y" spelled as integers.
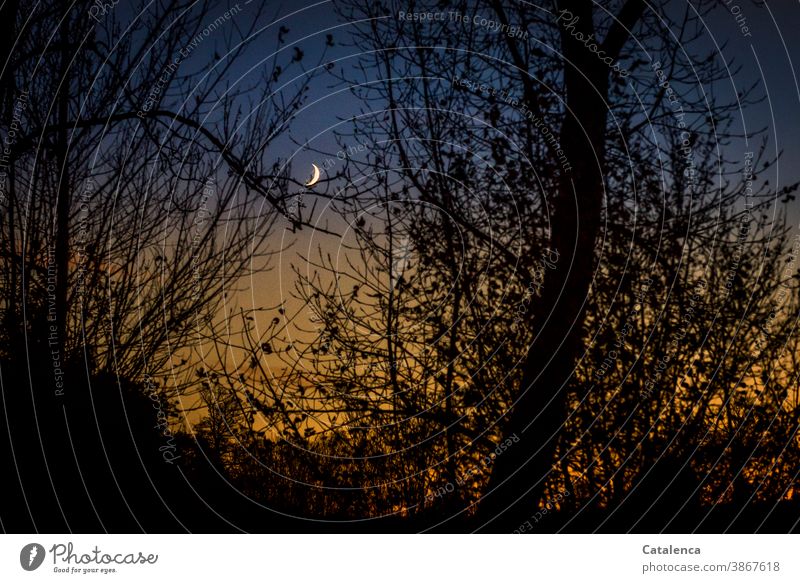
{"x": 520, "y": 474}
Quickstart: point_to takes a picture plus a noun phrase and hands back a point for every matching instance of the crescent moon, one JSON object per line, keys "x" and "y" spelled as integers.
{"x": 315, "y": 178}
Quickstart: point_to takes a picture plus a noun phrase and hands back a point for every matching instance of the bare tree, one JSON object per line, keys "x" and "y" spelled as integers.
{"x": 139, "y": 185}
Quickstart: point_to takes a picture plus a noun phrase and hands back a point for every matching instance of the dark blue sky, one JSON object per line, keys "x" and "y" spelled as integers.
{"x": 770, "y": 53}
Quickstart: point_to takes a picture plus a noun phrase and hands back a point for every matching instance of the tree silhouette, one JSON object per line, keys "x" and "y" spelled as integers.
{"x": 544, "y": 283}
{"x": 133, "y": 182}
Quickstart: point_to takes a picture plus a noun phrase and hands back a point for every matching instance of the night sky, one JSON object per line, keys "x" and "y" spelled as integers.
{"x": 765, "y": 54}
{"x": 768, "y": 48}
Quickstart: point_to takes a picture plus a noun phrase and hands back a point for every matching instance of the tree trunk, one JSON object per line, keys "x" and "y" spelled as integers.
{"x": 520, "y": 474}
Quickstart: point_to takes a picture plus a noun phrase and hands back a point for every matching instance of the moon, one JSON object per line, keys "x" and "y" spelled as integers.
{"x": 315, "y": 178}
